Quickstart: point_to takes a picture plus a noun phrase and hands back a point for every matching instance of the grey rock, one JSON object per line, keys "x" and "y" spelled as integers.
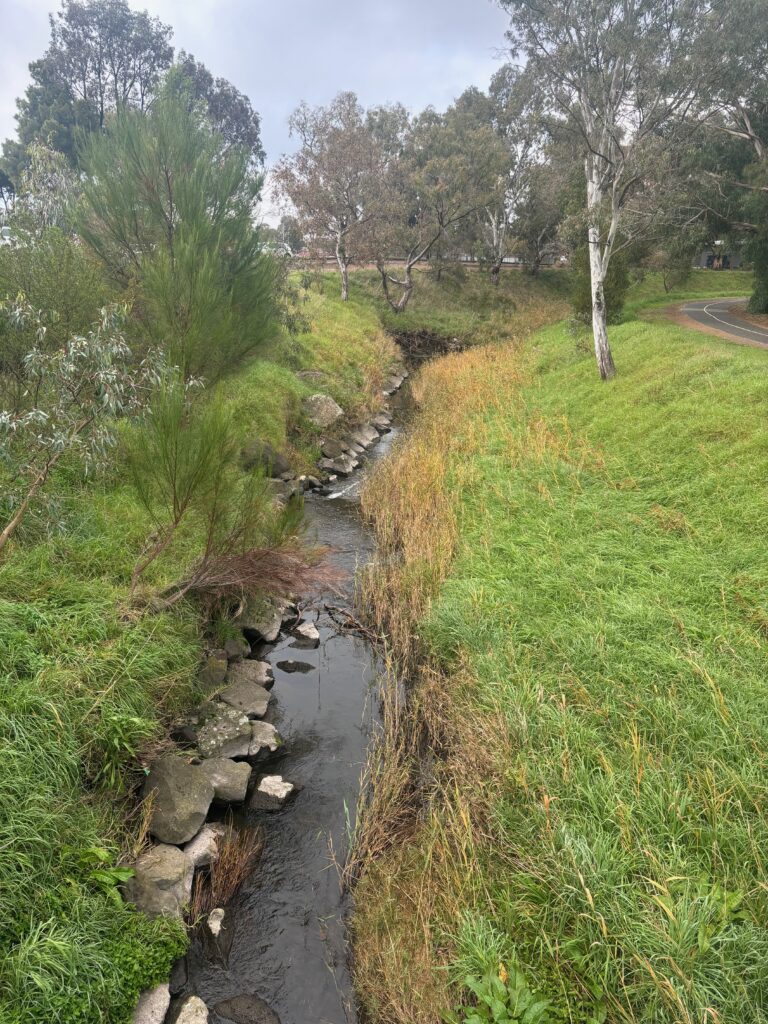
{"x": 271, "y": 793}
{"x": 321, "y": 410}
{"x": 179, "y": 976}
{"x": 229, "y": 778}
{"x": 331, "y": 449}
{"x": 252, "y": 671}
{"x": 264, "y": 739}
{"x": 226, "y": 733}
{"x": 218, "y": 934}
{"x": 307, "y": 635}
{"x": 213, "y": 670}
{"x": 247, "y": 1010}
{"x": 290, "y": 612}
{"x": 295, "y": 666}
{"x": 261, "y": 620}
{"x": 162, "y": 882}
{"x": 382, "y": 424}
{"x": 152, "y": 1006}
{"x": 204, "y": 848}
{"x": 311, "y": 374}
{"x": 182, "y": 796}
{"x": 191, "y": 1010}
{"x": 261, "y": 455}
{"x": 249, "y": 698}
{"x": 237, "y": 648}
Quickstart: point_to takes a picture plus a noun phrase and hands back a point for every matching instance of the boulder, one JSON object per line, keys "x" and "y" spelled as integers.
{"x": 152, "y": 1006}
{"x": 260, "y": 621}
{"x": 229, "y": 778}
{"x": 191, "y": 1010}
{"x": 331, "y": 449}
{"x": 343, "y": 466}
{"x": 237, "y": 648}
{"x": 204, "y": 848}
{"x": 182, "y": 796}
{"x": 321, "y": 410}
{"x": 271, "y": 793}
{"x": 246, "y": 1010}
{"x": 213, "y": 670}
{"x": 251, "y": 671}
{"x": 264, "y": 739}
{"x": 261, "y": 455}
{"x": 382, "y": 424}
{"x": 162, "y": 882}
{"x": 249, "y": 698}
{"x": 226, "y": 733}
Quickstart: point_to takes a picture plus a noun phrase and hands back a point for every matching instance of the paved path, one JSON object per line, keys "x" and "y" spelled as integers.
{"x": 715, "y": 316}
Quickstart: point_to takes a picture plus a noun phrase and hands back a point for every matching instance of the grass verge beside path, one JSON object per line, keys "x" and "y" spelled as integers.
{"x": 591, "y": 620}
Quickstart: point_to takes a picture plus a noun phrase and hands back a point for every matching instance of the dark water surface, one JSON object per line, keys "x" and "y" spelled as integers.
{"x": 289, "y": 943}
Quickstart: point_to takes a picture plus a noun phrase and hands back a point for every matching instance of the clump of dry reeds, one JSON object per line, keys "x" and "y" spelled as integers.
{"x": 239, "y": 850}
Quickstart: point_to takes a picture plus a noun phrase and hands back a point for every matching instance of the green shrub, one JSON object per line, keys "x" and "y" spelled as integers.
{"x": 616, "y": 286}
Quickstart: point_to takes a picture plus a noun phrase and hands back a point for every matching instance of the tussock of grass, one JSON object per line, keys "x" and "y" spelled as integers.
{"x": 602, "y": 627}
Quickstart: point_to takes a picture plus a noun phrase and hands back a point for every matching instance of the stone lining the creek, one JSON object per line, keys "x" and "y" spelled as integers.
{"x": 229, "y": 762}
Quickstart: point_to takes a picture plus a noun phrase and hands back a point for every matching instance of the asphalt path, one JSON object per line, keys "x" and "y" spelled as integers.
{"x": 717, "y": 316}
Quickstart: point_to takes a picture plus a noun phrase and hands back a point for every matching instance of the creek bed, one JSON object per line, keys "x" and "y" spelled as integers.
{"x": 290, "y": 942}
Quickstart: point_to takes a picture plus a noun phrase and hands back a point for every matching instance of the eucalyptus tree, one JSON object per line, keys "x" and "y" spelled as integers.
{"x": 623, "y": 74}
{"x": 440, "y": 171}
{"x": 332, "y": 181}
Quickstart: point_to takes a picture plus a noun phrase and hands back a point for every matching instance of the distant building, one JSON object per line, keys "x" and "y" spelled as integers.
{"x": 719, "y": 257}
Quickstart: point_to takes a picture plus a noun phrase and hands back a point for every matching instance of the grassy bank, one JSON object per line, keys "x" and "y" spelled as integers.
{"x": 88, "y": 684}
{"x": 579, "y": 571}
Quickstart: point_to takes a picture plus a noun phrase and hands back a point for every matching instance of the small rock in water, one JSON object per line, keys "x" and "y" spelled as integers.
{"x": 204, "y": 848}
{"x": 249, "y": 698}
{"x": 264, "y": 739}
{"x": 251, "y": 671}
{"x": 192, "y": 1010}
{"x": 226, "y": 733}
{"x": 247, "y": 1010}
{"x": 271, "y": 793}
{"x": 182, "y": 796}
{"x": 229, "y": 778}
{"x": 307, "y": 635}
{"x": 218, "y": 935}
{"x": 295, "y": 666}
{"x": 152, "y": 1006}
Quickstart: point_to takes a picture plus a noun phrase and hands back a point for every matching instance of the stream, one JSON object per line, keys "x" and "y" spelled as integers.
{"x": 290, "y": 943}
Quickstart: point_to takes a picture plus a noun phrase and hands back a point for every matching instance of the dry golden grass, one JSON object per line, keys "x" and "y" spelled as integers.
{"x": 239, "y": 851}
{"x": 419, "y": 832}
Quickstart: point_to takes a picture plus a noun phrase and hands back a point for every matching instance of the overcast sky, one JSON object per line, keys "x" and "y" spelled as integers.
{"x": 280, "y": 52}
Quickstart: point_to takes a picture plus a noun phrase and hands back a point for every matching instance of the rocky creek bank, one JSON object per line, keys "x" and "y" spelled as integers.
{"x": 223, "y": 773}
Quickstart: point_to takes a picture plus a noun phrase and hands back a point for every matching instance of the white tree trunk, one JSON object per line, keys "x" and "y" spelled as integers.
{"x": 598, "y": 267}
{"x": 341, "y": 259}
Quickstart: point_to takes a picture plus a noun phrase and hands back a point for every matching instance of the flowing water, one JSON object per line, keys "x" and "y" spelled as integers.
{"x": 289, "y": 943}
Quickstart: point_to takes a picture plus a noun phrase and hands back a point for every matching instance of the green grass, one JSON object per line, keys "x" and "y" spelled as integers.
{"x": 463, "y": 304}
{"x": 88, "y": 685}
{"x": 611, "y": 594}
{"x": 702, "y": 284}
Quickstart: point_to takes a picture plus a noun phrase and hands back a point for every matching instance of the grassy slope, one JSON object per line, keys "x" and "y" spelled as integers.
{"x": 599, "y": 812}
{"x": 85, "y": 686}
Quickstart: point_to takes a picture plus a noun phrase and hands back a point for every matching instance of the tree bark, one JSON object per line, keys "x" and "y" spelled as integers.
{"x": 37, "y": 483}
{"x": 597, "y": 270}
{"x": 343, "y": 262}
{"x": 496, "y": 273}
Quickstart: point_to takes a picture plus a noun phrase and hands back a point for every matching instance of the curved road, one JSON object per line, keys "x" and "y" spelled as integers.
{"x": 716, "y": 316}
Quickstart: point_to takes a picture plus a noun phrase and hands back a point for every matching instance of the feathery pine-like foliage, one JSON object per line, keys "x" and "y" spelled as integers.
{"x": 168, "y": 206}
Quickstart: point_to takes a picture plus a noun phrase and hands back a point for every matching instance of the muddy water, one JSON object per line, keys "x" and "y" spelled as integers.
{"x": 290, "y": 944}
